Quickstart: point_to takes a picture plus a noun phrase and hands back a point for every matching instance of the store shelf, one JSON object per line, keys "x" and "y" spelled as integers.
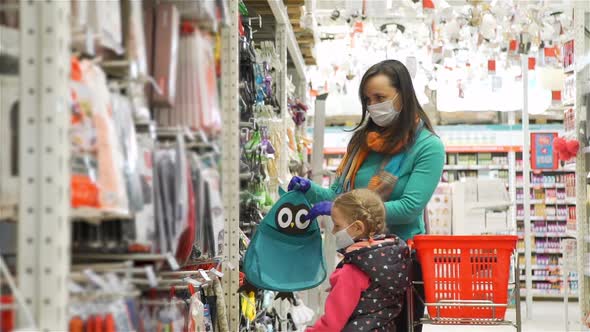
{"x": 543, "y": 218}
{"x": 538, "y": 293}
{"x": 93, "y": 215}
{"x": 543, "y": 267}
{"x": 544, "y": 186}
{"x": 8, "y": 212}
{"x": 542, "y": 251}
{"x": 121, "y": 257}
{"x": 9, "y": 41}
{"x": 540, "y": 234}
{"x": 475, "y": 167}
{"x": 551, "y": 279}
{"x": 571, "y": 233}
{"x": 567, "y": 201}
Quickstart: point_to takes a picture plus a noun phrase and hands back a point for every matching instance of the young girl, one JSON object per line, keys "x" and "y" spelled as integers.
{"x": 369, "y": 283}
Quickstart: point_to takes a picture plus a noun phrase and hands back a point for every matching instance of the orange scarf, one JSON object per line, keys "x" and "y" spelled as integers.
{"x": 375, "y": 142}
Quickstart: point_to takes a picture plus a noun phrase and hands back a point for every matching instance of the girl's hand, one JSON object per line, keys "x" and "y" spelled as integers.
{"x": 320, "y": 209}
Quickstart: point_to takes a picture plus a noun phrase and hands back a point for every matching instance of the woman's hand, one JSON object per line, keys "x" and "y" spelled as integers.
{"x": 299, "y": 183}
{"x": 320, "y": 209}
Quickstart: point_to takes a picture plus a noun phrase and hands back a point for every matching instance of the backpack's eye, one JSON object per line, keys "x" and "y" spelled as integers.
{"x": 299, "y": 219}
{"x": 285, "y": 217}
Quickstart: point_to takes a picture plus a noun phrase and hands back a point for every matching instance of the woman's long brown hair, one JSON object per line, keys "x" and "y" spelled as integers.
{"x": 405, "y": 124}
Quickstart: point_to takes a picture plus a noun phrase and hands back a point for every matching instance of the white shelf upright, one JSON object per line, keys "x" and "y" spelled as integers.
{"x": 281, "y": 48}
{"x": 527, "y": 186}
{"x": 44, "y": 227}
{"x": 230, "y": 153}
{"x": 582, "y": 77}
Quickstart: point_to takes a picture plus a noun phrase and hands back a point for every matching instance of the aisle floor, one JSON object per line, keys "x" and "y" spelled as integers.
{"x": 547, "y": 316}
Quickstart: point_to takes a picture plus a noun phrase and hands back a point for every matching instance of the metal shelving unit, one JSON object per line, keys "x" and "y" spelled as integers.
{"x": 230, "y": 150}
{"x": 582, "y": 76}
{"x": 44, "y": 213}
{"x": 44, "y": 205}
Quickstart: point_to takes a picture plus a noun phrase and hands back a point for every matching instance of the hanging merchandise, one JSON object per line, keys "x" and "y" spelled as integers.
{"x": 175, "y": 216}
{"x": 196, "y": 104}
{"x": 145, "y": 227}
{"x": 97, "y": 161}
{"x": 162, "y": 34}
{"x": 196, "y": 314}
{"x": 125, "y": 130}
{"x": 286, "y": 251}
{"x": 134, "y": 37}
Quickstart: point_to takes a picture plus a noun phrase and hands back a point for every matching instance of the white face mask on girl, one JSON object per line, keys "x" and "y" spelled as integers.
{"x": 383, "y": 113}
{"x": 343, "y": 239}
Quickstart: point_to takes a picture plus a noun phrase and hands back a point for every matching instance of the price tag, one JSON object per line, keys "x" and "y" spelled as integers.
{"x": 96, "y": 279}
{"x": 217, "y": 273}
{"x": 192, "y": 281}
{"x": 204, "y": 275}
{"x": 151, "y": 276}
{"x": 114, "y": 283}
{"x": 75, "y": 287}
{"x": 172, "y": 262}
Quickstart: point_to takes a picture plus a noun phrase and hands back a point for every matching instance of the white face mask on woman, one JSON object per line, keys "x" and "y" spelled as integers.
{"x": 383, "y": 113}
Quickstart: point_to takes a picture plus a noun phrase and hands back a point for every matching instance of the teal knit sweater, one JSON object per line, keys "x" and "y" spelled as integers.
{"x": 418, "y": 177}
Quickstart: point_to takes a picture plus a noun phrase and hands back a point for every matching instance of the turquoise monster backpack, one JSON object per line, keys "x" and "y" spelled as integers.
{"x": 285, "y": 254}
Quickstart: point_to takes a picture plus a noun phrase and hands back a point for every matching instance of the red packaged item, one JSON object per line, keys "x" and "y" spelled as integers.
{"x": 6, "y": 316}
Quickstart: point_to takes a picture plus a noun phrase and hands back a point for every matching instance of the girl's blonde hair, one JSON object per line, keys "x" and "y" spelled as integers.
{"x": 364, "y": 205}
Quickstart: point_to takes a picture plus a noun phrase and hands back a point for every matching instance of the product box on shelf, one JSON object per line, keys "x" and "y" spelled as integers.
{"x": 9, "y": 122}
{"x": 439, "y": 210}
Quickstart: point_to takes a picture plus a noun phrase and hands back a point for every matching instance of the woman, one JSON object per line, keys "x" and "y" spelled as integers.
{"x": 393, "y": 151}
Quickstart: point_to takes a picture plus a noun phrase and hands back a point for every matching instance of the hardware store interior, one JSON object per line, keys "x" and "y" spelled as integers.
{"x": 191, "y": 165}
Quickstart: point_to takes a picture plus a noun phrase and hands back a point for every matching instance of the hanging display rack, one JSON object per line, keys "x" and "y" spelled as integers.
{"x": 43, "y": 210}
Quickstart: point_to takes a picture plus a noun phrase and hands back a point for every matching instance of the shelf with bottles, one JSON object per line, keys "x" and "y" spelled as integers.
{"x": 542, "y": 246}
{"x": 564, "y": 182}
{"x": 549, "y": 275}
{"x": 542, "y": 212}
{"x": 546, "y": 196}
{"x": 551, "y": 287}
{"x": 549, "y": 293}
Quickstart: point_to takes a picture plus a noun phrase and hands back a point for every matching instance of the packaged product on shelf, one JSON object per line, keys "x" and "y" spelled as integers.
{"x": 149, "y": 18}
{"x": 203, "y": 11}
{"x": 9, "y": 122}
{"x": 172, "y": 196}
{"x": 213, "y": 190}
{"x": 196, "y": 104}
{"x": 134, "y": 37}
{"x": 104, "y": 18}
{"x": 125, "y": 129}
{"x": 97, "y": 161}
{"x": 439, "y": 210}
{"x": 164, "y": 62}
{"x": 145, "y": 226}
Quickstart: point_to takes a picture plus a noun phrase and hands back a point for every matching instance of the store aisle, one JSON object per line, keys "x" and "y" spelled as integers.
{"x": 547, "y": 316}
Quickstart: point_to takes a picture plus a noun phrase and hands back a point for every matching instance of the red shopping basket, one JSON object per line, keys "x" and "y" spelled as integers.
{"x": 463, "y": 269}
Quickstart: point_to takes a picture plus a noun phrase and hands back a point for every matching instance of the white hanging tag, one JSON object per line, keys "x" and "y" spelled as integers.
{"x": 114, "y": 283}
{"x": 204, "y": 275}
{"x": 151, "y": 276}
{"x": 172, "y": 262}
{"x": 96, "y": 279}
{"x": 217, "y": 273}
{"x": 74, "y": 287}
{"x": 230, "y": 265}
{"x": 192, "y": 281}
